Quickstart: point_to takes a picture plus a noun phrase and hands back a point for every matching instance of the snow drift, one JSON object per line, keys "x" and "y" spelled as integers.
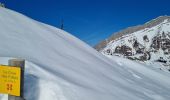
{"x": 61, "y": 67}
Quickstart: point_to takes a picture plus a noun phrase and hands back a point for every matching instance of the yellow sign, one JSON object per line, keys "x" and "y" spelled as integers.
{"x": 10, "y": 80}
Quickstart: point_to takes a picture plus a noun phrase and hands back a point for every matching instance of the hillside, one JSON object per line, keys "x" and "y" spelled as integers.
{"x": 130, "y": 30}
{"x": 149, "y": 44}
{"x": 61, "y": 67}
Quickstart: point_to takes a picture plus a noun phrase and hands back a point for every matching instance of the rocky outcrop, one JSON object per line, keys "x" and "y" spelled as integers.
{"x": 147, "y": 43}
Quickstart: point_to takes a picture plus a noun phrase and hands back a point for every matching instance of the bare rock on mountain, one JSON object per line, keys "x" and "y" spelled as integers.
{"x": 148, "y": 42}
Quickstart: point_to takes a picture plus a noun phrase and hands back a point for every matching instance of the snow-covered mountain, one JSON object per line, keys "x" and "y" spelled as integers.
{"x": 61, "y": 67}
{"x": 149, "y": 42}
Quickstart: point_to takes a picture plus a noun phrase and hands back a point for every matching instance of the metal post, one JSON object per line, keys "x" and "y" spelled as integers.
{"x": 18, "y": 63}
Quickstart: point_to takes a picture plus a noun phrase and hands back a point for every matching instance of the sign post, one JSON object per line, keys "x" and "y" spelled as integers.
{"x": 18, "y": 63}
{"x": 10, "y": 80}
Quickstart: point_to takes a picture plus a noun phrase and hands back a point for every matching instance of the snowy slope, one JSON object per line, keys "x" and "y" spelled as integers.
{"x": 61, "y": 67}
{"x": 152, "y": 43}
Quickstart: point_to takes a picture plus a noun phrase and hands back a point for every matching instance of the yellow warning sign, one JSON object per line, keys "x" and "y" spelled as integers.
{"x": 10, "y": 80}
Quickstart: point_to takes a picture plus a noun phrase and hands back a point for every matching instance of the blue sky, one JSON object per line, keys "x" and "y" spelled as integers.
{"x": 91, "y": 20}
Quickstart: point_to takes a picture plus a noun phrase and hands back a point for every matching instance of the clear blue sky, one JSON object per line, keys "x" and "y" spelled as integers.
{"x": 91, "y": 20}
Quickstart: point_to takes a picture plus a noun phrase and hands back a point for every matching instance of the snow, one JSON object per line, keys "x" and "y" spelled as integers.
{"x": 150, "y": 32}
{"x": 61, "y": 67}
{"x": 138, "y": 35}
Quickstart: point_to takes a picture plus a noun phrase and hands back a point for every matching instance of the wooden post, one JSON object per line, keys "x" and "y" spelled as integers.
{"x": 18, "y": 63}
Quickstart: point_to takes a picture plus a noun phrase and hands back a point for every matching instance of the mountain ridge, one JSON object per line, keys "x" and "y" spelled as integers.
{"x": 129, "y": 30}
{"x": 150, "y": 44}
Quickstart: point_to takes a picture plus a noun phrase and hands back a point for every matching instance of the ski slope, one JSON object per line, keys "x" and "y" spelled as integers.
{"x": 61, "y": 67}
